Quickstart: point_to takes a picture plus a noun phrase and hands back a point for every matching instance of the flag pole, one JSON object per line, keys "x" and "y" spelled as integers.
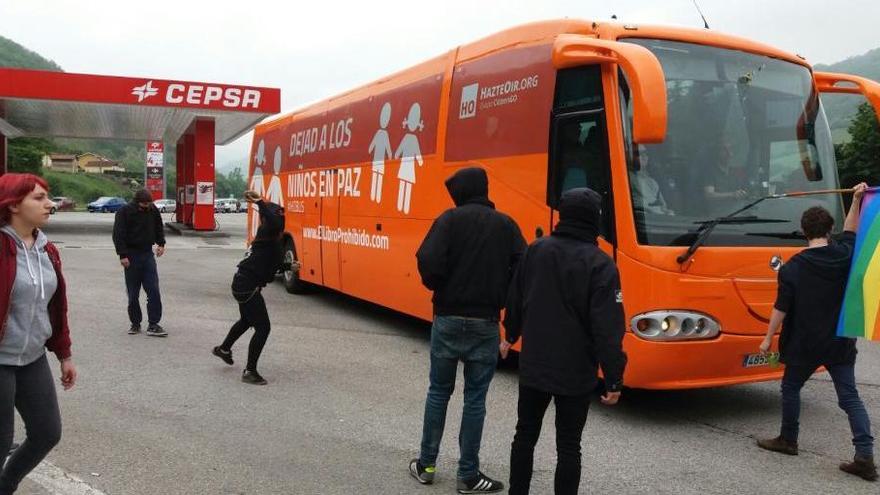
{"x": 823, "y": 191}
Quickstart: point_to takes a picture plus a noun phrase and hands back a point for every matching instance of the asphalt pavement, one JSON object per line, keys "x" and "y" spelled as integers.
{"x": 342, "y": 412}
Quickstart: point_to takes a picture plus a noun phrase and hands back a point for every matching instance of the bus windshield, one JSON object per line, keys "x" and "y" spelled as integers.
{"x": 740, "y": 126}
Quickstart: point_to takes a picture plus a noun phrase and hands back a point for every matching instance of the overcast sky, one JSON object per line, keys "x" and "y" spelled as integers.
{"x": 316, "y": 49}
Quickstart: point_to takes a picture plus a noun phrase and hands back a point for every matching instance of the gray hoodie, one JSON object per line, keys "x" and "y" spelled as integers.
{"x": 27, "y": 325}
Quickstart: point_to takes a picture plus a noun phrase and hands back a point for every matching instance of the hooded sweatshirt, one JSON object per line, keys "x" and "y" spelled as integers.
{"x": 811, "y": 289}
{"x": 565, "y": 303}
{"x": 135, "y": 230}
{"x": 470, "y": 252}
{"x": 28, "y": 325}
{"x": 265, "y": 254}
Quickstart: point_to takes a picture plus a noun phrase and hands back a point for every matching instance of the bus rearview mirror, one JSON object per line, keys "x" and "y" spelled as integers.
{"x": 829, "y": 82}
{"x": 643, "y": 72}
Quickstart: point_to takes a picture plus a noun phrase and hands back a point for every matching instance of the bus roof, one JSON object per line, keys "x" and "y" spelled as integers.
{"x": 533, "y": 34}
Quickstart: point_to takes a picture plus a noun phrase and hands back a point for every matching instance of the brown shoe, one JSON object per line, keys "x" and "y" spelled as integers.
{"x": 780, "y": 445}
{"x": 863, "y": 467}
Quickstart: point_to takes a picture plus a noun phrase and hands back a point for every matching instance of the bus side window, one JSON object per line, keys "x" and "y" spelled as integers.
{"x": 579, "y": 147}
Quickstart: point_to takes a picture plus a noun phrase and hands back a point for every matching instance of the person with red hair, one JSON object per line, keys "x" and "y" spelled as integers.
{"x": 33, "y": 307}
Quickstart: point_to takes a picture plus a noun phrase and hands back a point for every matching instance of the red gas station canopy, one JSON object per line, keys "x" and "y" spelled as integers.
{"x": 60, "y": 104}
{"x": 195, "y": 116}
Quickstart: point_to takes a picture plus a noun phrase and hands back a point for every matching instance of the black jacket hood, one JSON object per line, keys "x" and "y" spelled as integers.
{"x": 469, "y": 185}
{"x": 827, "y": 262}
{"x": 580, "y": 211}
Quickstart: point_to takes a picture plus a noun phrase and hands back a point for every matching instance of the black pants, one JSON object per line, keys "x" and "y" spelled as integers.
{"x": 142, "y": 272}
{"x": 31, "y": 390}
{"x": 252, "y": 308}
{"x": 571, "y": 416}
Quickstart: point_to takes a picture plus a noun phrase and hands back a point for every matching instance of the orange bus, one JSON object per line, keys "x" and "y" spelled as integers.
{"x": 676, "y": 128}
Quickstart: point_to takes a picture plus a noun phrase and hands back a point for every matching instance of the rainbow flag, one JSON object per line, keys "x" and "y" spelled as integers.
{"x": 860, "y": 314}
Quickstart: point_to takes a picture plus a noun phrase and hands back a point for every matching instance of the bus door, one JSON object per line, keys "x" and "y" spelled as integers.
{"x": 330, "y": 241}
{"x": 579, "y": 154}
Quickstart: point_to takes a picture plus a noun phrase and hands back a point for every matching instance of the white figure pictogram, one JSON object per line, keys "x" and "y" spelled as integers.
{"x": 380, "y": 147}
{"x": 409, "y": 153}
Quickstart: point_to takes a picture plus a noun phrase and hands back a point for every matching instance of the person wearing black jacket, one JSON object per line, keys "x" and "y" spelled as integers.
{"x": 467, "y": 259}
{"x": 137, "y": 227}
{"x": 810, "y": 296}
{"x": 254, "y": 272}
{"x": 566, "y": 304}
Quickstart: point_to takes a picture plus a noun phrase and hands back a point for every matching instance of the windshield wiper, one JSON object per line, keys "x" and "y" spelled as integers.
{"x": 778, "y": 235}
{"x": 709, "y": 225}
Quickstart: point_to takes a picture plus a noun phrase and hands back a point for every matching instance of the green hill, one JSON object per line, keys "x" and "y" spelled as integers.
{"x": 842, "y": 108}
{"x": 131, "y": 155}
{"x": 84, "y": 188}
{"x": 14, "y": 55}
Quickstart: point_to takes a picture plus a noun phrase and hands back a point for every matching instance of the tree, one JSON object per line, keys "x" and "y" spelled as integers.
{"x": 232, "y": 184}
{"x": 25, "y": 155}
{"x": 237, "y": 181}
{"x": 859, "y": 159}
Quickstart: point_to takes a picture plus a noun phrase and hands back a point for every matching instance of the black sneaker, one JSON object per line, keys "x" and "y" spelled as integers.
{"x": 252, "y": 377}
{"x": 226, "y": 356}
{"x": 480, "y": 484}
{"x": 156, "y": 331}
{"x": 422, "y": 474}
{"x": 135, "y": 329}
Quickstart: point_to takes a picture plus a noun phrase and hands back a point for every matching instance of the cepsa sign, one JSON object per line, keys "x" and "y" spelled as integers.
{"x": 200, "y": 94}
{"x": 89, "y": 88}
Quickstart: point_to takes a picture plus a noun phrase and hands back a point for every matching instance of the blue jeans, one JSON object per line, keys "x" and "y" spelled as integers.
{"x": 142, "y": 272}
{"x": 475, "y": 343}
{"x": 848, "y": 399}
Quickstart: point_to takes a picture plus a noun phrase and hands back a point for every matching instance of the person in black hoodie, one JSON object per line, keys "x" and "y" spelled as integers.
{"x": 467, "y": 259}
{"x": 810, "y": 295}
{"x": 254, "y": 272}
{"x": 566, "y": 304}
{"x": 137, "y": 227}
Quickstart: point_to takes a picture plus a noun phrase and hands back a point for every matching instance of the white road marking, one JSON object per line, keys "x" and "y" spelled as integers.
{"x": 59, "y": 482}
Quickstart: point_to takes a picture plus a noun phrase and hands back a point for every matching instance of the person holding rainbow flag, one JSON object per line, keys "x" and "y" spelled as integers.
{"x": 808, "y": 306}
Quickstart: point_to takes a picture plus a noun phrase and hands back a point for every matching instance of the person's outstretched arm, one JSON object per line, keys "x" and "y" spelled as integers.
{"x": 851, "y": 224}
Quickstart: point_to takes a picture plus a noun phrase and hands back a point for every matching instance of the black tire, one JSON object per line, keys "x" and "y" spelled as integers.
{"x": 162, "y": 210}
{"x": 103, "y": 210}
{"x": 292, "y": 283}
{"x": 53, "y": 210}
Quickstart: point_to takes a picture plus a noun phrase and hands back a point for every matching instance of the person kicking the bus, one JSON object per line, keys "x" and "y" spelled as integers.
{"x": 565, "y": 303}
{"x": 810, "y": 295}
{"x": 467, "y": 259}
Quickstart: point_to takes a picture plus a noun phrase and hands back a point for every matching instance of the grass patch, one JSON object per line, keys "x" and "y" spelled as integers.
{"x": 84, "y": 188}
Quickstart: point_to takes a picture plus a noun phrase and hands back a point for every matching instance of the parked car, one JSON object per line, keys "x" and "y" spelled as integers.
{"x": 166, "y": 205}
{"x": 106, "y": 204}
{"x": 226, "y": 205}
{"x": 62, "y": 203}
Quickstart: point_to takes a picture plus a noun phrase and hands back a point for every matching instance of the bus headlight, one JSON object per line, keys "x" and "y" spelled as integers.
{"x": 674, "y": 325}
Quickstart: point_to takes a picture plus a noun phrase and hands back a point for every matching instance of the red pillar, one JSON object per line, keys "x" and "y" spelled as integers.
{"x": 179, "y": 166}
{"x": 203, "y": 219}
{"x": 189, "y": 185}
{"x": 2, "y": 154}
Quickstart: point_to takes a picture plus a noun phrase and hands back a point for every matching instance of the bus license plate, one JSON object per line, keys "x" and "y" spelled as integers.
{"x": 760, "y": 359}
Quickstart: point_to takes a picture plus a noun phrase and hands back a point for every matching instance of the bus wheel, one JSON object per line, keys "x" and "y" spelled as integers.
{"x": 292, "y": 283}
